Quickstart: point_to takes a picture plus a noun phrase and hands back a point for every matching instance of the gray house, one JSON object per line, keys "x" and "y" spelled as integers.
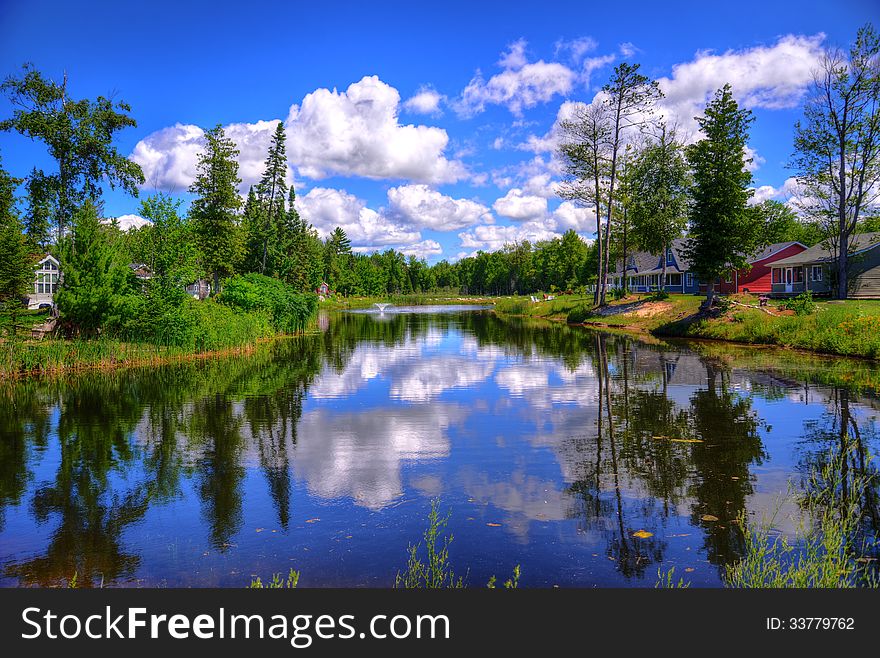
{"x": 814, "y": 268}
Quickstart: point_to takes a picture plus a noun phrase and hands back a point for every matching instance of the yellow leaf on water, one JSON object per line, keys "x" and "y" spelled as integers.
{"x": 312, "y": 520}
{"x": 709, "y": 517}
{"x": 689, "y": 570}
{"x": 260, "y": 529}
{"x": 643, "y": 534}
{"x": 494, "y": 525}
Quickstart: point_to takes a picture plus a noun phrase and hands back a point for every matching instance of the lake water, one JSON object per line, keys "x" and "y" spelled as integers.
{"x": 589, "y": 459}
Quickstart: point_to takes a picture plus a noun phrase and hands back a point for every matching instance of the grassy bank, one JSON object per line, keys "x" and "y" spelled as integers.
{"x": 848, "y": 328}
{"x": 338, "y": 303}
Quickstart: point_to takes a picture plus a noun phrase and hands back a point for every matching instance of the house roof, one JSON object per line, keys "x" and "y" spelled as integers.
{"x": 646, "y": 263}
{"x": 821, "y": 253}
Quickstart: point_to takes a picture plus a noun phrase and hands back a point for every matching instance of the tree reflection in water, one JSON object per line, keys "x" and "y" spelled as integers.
{"x": 660, "y": 436}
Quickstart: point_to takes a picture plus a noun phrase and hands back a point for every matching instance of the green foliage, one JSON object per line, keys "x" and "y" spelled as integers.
{"x": 837, "y": 145}
{"x": 659, "y": 181}
{"x": 94, "y": 284}
{"x": 782, "y": 224}
{"x": 666, "y": 580}
{"x": 276, "y": 583}
{"x": 290, "y": 311}
{"x": 78, "y": 135}
{"x": 16, "y": 266}
{"x": 852, "y": 329}
{"x": 510, "y": 583}
{"x": 435, "y": 572}
{"x": 657, "y": 296}
{"x": 803, "y": 304}
{"x": 214, "y": 209}
{"x": 824, "y": 553}
{"x": 723, "y": 229}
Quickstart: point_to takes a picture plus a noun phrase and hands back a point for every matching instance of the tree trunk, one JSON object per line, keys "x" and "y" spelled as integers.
{"x": 663, "y": 270}
{"x": 710, "y": 293}
{"x": 601, "y": 272}
{"x": 842, "y": 257}
{"x": 625, "y": 249}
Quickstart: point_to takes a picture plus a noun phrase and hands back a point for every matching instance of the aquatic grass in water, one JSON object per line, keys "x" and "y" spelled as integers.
{"x": 828, "y": 553}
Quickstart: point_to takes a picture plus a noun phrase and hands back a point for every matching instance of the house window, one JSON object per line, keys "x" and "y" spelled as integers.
{"x": 799, "y": 275}
{"x": 674, "y": 279}
{"x": 689, "y": 280}
{"x": 777, "y": 275}
{"x": 670, "y": 260}
{"x": 816, "y": 273}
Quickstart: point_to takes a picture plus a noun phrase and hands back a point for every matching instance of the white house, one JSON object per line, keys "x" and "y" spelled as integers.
{"x": 45, "y": 282}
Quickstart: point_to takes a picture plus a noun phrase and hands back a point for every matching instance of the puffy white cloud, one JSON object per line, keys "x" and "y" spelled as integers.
{"x": 519, "y": 86}
{"x": 493, "y": 238}
{"x": 327, "y": 208}
{"x": 353, "y": 133}
{"x": 521, "y": 207}
{"x": 515, "y": 56}
{"x": 128, "y": 222}
{"x": 425, "y": 101}
{"x": 424, "y": 249}
{"x": 169, "y": 156}
{"x": 357, "y": 133}
{"x": 770, "y": 77}
{"x": 421, "y": 206}
{"x": 568, "y": 215}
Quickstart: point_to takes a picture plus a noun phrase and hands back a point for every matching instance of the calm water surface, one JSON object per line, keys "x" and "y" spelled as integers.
{"x": 550, "y": 446}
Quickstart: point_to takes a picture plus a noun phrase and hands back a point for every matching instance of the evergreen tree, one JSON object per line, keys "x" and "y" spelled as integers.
{"x": 660, "y": 187}
{"x": 254, "y": 228}
{"x": 92, "y": 276}
{"x": 337, "y": 250}
{"x": 272, "y": 187}
{"x": 213, "y": 212}
{"x": 16, "y": 266}
{"x": 723, "y": 229}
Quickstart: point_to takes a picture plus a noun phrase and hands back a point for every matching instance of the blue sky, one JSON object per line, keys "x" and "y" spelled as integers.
{"x": 429, "y": 128}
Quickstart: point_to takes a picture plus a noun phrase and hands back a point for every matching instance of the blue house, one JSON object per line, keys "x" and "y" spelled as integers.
{"x": 644, "y": 271}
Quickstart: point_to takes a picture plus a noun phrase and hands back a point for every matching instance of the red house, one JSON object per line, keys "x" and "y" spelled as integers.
{"x": 757, "y": 278}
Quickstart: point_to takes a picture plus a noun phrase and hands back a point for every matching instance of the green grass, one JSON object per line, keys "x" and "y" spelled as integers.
{"x": 850, "y": 328}
{"x": 825, "y": 553}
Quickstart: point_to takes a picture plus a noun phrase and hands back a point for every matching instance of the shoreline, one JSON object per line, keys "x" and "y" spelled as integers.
{"x": 143, "y": 360}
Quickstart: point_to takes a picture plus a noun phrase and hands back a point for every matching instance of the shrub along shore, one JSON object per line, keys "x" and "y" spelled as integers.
{"x": 252, "y": 309}
{"x": 847, "y": 328}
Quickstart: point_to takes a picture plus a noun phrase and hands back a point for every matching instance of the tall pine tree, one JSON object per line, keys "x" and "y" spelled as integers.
{"x": 16, "y": 266}
{"x": 213, "y": 212}
{"x": 271, "y": 191}
{"x": 723, "y": 230}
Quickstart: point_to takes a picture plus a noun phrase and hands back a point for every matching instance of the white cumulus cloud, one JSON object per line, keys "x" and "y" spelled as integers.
{"x": 356, "y": 132}
{"x": 327, "y": 208}
{"x": 425, "y": 101}
{"x": 519, "y": 206}
{"x": 419, "y": 205}
{"x": 519, "y": 86}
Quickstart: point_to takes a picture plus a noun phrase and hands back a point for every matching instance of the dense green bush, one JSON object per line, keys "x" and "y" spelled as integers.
{"x": 289, "y": 310}
{"x": 803, "y": 304}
